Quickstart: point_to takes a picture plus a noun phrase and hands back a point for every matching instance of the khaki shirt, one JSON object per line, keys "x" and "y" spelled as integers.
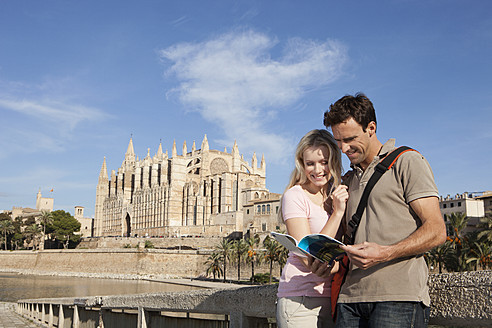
{"x": 388, "y": 219}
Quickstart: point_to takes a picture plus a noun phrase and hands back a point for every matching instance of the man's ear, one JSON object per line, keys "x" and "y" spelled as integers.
{"x": 371, "y": 128}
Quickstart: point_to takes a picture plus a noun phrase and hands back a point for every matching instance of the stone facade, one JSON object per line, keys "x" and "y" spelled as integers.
{"x": 202, "y": 192}
{"x": 467, "y": 203}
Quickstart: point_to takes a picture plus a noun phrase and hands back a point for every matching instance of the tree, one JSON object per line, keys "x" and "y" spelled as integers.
{"x": 252, "y": 244}
{"x": 272, "y": 251}
{"x": 224, "y": 250}
{"x": 481, "y": 255}
{"x": 458, "y": 223}
{"x": 437, "y": 255}
{"x": 6, "y": 227}
{"x": 32, "y": 233}
{"x": 213, "y": 262}
{"x": 63, "y": 227}
{"x": 240, "y": 249}
{"x": 45, "y": 219}
{"x": 486, "y": 227}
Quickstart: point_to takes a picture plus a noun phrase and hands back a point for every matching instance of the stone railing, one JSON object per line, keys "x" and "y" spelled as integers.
{"x": 457, "y": 299}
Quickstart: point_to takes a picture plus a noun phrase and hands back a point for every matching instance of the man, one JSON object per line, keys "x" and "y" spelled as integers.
{"x": 386, "y": 285}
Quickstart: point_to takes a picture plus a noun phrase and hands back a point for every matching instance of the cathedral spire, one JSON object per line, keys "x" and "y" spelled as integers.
{"x": 205, "y": 146}
{"x": 193, "y": 147}
{"x": 175, "y": 152}
{"x": 254, "y": 161}
{"x": 129, "y": 150}
{"x": 185, "y": 149}
{"x": 263, "y": 163}
{"x": 159, "y": 150}
{"x": 235, "y": 149}
{"x": 103, "y": 174}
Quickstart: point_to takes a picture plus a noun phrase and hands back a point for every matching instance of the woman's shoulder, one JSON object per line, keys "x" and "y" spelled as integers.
{"x": 294, "y": 192}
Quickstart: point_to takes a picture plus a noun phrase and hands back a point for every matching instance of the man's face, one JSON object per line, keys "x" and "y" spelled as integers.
{"x": 353, "y": 141}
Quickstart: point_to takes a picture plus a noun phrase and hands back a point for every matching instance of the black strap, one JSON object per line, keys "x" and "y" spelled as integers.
{"x": 379, "y": 170}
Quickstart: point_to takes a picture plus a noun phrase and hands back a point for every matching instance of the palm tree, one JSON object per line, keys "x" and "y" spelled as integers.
{"x": 224, "y": 249}
{"x": 32, "y": 233}
{"x": 437, "y": 255}
{"x": 481, "y": 255}
{"x": 214, "y": 264}
{"x": 239, "y": 248}
{"x": 6, "y": 227}
{"x": 458, "y": 223}
{"x": 272, "y": 251}
{"x": 45, "y": 219}
{"x": 252, "y": 243}
{"x": 486, "y": 227}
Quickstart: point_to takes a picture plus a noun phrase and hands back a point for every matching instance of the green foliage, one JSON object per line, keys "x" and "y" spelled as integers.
{"x": 63, "y": 227}
{"x": 224, "y": 249}
{"x": 273, "y": 251}
{"x": 149, "y": 244}
{"x": 463, "y": 252}
{"x": 239, "y": 251}
{"x": 6, "y": 228}
{"x": 127, "y": 246}
{"x": 213, "y": 265}
{"x": 252, "y": 253}
{"x": 262, "y": 278}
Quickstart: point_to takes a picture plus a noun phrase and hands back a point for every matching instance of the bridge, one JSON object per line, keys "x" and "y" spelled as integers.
{"x": 458, "y": 299}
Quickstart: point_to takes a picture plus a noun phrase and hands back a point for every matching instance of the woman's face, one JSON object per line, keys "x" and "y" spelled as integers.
{"x": 315, "y": 160}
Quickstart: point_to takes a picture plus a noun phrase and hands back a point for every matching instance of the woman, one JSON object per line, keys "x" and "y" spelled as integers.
{"x": 314, "y": 191}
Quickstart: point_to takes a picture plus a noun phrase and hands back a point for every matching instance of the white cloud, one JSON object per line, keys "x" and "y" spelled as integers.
{"x": 54, "y": 111}
{"x": 234, "y": 81}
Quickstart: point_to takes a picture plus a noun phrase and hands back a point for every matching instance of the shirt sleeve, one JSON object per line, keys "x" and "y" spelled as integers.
{"x": 294, "y": 205}
{"x": 417, "y": 177}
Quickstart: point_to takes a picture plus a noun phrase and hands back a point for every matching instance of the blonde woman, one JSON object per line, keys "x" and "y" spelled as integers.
{"x": 314, "y": 202}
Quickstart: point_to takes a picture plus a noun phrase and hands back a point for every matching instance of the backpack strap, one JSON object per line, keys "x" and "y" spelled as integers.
{"x": 379, "y": 170}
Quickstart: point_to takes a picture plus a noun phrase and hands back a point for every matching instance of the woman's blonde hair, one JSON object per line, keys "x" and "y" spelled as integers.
{"x": 316, "y": 138}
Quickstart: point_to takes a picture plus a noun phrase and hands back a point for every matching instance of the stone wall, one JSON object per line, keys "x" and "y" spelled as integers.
{"x": 458, "y": 300}
{"x": 121, "y": 262}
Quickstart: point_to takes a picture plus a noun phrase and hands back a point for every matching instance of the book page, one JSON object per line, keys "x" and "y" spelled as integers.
{"x": 288, "y": 242}
{"x": 322, "y": 247}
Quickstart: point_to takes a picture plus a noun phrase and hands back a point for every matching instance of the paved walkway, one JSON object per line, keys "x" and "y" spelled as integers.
{"x": 10, "y": 319}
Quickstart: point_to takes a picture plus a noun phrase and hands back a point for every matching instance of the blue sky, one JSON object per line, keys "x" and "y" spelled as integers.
{"x": 78, "y": 78}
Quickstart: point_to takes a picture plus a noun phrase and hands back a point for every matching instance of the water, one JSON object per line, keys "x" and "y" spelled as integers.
{"x": 14, "y": 287}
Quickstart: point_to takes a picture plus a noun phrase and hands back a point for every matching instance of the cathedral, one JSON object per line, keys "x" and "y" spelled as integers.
{"x": 200, "y": 193}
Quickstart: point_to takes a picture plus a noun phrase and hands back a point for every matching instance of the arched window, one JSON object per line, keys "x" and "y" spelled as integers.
{"x": 263, "y": 209}
{"x": 268, "y": 209}
{"x": 258, "y": 209}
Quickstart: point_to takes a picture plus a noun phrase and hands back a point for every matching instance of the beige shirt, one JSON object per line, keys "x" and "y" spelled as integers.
{"x": 388, "y": 219}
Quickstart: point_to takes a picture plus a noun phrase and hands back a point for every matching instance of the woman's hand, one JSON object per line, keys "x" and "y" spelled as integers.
{"x": 339, "y": 198}
{"x": 321, "y": 269}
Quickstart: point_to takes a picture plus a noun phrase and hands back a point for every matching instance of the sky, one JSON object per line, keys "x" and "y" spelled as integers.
{"x": 78, "y": 79}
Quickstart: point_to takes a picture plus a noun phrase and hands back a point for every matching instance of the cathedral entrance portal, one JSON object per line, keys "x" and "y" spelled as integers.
{"x": 128, "y": 226}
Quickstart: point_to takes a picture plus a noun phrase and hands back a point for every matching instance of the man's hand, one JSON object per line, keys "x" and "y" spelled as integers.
{"x": 322, "y": 269}
{"x": 367, "y": 254}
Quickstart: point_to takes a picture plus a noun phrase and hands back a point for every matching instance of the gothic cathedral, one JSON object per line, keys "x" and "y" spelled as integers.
{"x": 199, "y": 193}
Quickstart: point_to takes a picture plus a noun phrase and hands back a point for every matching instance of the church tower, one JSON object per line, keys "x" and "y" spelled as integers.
{"x": 102, "y": 191}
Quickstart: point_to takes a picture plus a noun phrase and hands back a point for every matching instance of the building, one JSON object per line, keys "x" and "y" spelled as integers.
{"x": 86, "y": 224}
{"x": 42, "y": 204}
{"x": 486, "y": 197}
{"x": 261, "y": 213}
{"x": 202, "y": 192}
{"x": 466, "y": 203}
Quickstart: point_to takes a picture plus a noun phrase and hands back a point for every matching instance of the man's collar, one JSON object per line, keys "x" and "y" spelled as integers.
{"x": 387, "y": 147}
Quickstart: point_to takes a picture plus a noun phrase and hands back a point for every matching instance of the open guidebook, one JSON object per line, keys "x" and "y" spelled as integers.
{"x": 319, "y": 246}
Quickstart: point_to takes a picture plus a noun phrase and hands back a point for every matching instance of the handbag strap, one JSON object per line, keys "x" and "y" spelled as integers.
{"x": 379, "y": 170}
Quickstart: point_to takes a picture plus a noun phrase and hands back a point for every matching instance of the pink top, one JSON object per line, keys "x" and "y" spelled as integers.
{"x": 297, "y": 279}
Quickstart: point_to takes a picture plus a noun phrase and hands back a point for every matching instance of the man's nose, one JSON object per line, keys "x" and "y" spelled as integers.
{"x": 344, "y": 147}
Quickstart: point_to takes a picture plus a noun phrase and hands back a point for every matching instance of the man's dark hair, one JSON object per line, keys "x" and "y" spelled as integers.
{"x": 359, "y": 107}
